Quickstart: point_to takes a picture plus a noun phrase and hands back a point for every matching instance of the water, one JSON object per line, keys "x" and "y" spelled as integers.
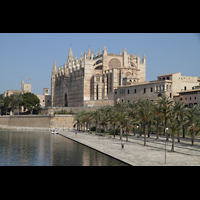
{"x": 29, "y": 148}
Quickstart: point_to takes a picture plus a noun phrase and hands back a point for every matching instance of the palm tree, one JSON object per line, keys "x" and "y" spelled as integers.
{"x": 180, "y": 112}
{"x": 132, "y": 109}
{"x": 104, "y": 116}
{"x": 77, "y": 120}
{"x": 157, "y": 116}
{"x": 144, "y": 113}
{"x": 120, "y": 115}
{"x": 174, "y": 126}
{"x": 193, "y": 120}
{"x": 165, "y": 103}
{"x": 95, "y": 117}
{"x": 112, "y": 118}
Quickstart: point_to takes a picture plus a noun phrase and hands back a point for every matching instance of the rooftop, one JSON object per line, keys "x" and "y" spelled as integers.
{"x": 168, "y": 74}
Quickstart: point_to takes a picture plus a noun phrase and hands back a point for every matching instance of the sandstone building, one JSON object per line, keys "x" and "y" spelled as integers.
{"x": 45, "y": 99}
{"x": 24, "y": 88}
{"x": 169, "y": 84}
{"x": 92, "y": 79}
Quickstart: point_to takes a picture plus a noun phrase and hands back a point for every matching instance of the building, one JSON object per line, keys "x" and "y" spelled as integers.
{"x": 45, "y": 99}
{"x": 24, "y": 88}
{"x": 92, "y": 79}
{"x": 169, "y": 84}
{"x": 191, "y": 96}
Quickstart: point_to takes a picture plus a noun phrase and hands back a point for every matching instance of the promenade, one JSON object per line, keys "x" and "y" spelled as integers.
{"x": 136, "y": 154}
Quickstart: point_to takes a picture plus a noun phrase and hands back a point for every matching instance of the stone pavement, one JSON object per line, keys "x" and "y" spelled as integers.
{"x": 136, "y": 154}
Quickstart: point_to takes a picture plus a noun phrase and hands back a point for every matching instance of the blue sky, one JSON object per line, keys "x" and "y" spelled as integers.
{"x": 31, "y": 55}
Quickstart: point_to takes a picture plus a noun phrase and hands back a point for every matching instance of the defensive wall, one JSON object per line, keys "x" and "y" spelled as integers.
{"x": 47, "y": 111}
{"x": 37, "y": 121}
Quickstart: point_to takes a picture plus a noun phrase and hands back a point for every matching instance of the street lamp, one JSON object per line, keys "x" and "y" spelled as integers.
{"x": 121, "y": 141}
{"x": 165, "y": 143}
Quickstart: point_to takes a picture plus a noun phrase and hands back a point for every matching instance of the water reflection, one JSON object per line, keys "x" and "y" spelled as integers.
{"x": 28, "y": 148}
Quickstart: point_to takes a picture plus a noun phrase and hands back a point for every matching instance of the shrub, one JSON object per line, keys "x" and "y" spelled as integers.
{"x": 102, "y": 130}
{"x": 111, "y": 131}
{"x": 93, "y": 128}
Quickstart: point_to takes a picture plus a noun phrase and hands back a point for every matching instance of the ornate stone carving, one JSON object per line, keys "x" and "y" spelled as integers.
{"x": 114, "y": 63}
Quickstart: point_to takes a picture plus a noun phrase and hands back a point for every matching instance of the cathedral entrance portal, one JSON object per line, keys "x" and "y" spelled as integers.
{"x": 66, "y": 102}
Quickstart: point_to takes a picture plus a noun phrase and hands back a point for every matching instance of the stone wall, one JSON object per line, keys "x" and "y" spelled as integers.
{"x": 57, "y": 121}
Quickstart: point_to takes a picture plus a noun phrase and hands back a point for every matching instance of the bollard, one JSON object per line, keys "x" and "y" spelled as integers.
{"x": 122, "y": 146}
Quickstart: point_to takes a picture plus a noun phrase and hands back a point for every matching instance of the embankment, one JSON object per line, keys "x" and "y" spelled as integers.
{"x": 37, "y": 121}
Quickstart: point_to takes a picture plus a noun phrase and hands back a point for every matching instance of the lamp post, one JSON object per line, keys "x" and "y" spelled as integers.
{"x": 166, "y": 142}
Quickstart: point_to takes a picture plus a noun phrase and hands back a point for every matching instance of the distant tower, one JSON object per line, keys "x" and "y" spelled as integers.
{"x": 46, "y": 91}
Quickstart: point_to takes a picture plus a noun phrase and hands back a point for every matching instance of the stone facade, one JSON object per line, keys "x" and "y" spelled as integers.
{"x": 189, "y": 96}
{"x": 168, "y": 84}
{"x": 92, "y": 79}
{"x": 45, "y": 99}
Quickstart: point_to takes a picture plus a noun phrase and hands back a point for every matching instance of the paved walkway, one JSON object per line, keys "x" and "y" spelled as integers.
{"x": 134, "y": 153}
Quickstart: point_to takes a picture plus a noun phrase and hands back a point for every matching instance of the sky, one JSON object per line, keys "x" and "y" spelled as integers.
{"x": 31, "y": 55}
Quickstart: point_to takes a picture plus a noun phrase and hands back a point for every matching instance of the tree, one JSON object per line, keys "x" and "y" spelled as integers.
{"x": 17, "y": 99}
{"x": 95, "y": 118}
{"x": 7, "y": 104}
{"x": 30, "y": 101}
{"x": 158, "y": 117}
{"x": 165, "y": 103}
{"x": 1, "y": 103}
{"x": 193, "y": 120}
{"x": 180, "y": 113}
{"x": 112, "y": 118}
{"x": 173, "y": 126}
{"x": 120, "y": 116}
{"x": 144, "y": 113}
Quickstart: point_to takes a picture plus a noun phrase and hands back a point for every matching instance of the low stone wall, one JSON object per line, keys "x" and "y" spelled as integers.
{"x": 60, "y": 121}
{"x": 57, "y": 121}
{"x": 4, "y": 120}
{"x": 29, "y": 121}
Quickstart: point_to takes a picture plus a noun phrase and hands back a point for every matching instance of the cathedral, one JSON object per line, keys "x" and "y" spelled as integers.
{"x": 92, "y": 79}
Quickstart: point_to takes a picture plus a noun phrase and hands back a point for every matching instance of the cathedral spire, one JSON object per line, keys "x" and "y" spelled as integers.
{"x": 88, "y": 55}
{"x": 54, "y": 71}
{"x": 104, "y": 50}
{"x": 70, "y": 55}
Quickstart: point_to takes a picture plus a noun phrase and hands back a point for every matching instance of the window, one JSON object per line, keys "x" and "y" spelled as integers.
{"x": 195, "y": 98}
{"x": 170, "y": 95}
{"x": 120, "y": 78}
{"x": 193, "y": 88}
{"x": 167, "y": 87}
{"x": 135, "y": 90}
{"x": 115, "y": 92}
{"x": 160, "y": 87}
{"x": 190, "y": 98}
{"x": 144, "y": 90}
{"x": 128, "y": 91}
{"x": 163, "y": 87}
{"x": 181, "y": 99}
{"x": 186, "y": 98}
{"x": 185, "y": 88}
{"x": 156, "y": 87}
{"x": 151, "y": 89}
{"x": 170, "y": 87}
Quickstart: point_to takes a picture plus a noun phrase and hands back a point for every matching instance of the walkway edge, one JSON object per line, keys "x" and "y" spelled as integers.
{"x": 96, "y": 149}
